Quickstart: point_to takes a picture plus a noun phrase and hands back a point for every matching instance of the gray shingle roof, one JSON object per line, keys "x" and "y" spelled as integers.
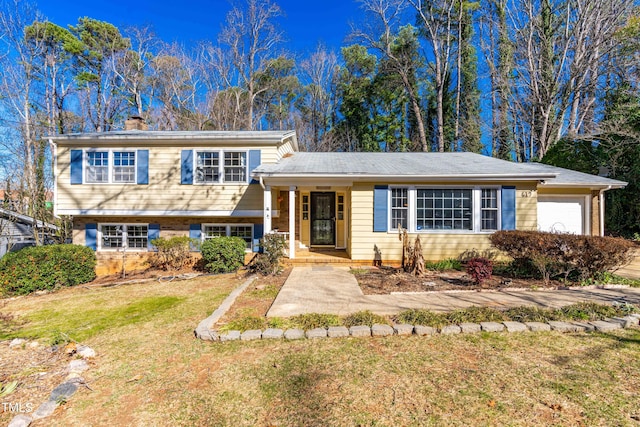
{"x": 438, "y": 166}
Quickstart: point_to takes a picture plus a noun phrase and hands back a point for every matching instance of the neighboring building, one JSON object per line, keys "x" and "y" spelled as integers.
{"x": 125, "y": 188}
{"x": 17, "y": 231}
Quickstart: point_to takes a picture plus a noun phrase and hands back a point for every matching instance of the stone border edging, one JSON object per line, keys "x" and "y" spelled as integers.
{"x": 204, "y": 330}
{"x": 380, "y": 330}
{"x": 62, "y": 392}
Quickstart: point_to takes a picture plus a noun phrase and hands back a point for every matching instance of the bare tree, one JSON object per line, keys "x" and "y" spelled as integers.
{"x": 252, "y": 39}
{"x": 437, "y": 22}
{"x": 562, "y": 52}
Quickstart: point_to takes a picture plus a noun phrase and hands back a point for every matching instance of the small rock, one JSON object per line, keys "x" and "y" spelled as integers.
{"x": 17, "y": 343}
{"x": 85, "y": 352}
{"x": 603, "y": 326}
{"x": 44, "y": 410}
{"x": 469, "y": 328}
{"x": 20, "y": 421}
{"x": 78, "y": 365}
{"x": 250, "y": 335}
{"x": 583, "y": 326}
{"x": 337, "y": 331}
{"x": 633, "y": 318}
{"x": 360, "y": 331}
{"x": 537, "y": 326}
{"x": 206, "y": 334}
{"x": 70, "y": 348}
{"x": 450, "y": 329}
{"x": 403, "y": 329}
{"x": 34, "y": 344}
{"x": 562, "y": 326}
{"x": 515, "y": 327}
{"x": 272, "y": 333}
{"x": 379, "y": 330}
{"x": 492, "y": 326}
{"x": 316, "y": 333}
{"x": 63, "y": 392}
{"x": 422, "y": 330}
{"x": 625, "y": 322}
{"x": 230, "y": 336}
{"x": 294, "y": 334}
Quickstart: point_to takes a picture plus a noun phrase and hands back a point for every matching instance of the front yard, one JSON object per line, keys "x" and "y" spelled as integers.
{"x": 151, "y": 371}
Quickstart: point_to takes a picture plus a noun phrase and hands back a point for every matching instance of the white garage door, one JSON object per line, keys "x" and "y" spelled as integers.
{"x": 561, "y": 214}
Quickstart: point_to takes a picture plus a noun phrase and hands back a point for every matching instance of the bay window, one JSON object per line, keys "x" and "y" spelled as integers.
{"x": 444, "y": 209}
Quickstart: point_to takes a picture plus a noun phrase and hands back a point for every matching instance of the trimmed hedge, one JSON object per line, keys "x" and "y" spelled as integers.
{"x": 223, "y": 254}
{"x": 557, "y": 255}
{"x": 45, "y": 268}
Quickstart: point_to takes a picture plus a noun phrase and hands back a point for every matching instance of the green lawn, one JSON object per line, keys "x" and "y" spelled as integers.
{"x": 151, "y": 371}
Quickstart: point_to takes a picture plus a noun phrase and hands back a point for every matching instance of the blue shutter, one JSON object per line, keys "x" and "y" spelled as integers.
{"x": 195, "y": 233}
{"x": 258, "y": 233}
{"x": 76, "y": 167}
{"x": 153, "y": 232}
{"x": 143, "y": 166}
{"x": 91, "y": 235}
{"x": 254, "y": 162}
{"x": 508, "y": 200}
{"x": 380, "y": 218}
{"x": 187, "y": 167}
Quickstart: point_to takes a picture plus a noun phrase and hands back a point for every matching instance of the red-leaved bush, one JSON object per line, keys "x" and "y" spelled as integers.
{"x": 556, "y": 254}
{"x": 480, "y": 269}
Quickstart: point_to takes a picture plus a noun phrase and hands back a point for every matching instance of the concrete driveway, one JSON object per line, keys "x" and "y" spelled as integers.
{"x": 334, "y": 290}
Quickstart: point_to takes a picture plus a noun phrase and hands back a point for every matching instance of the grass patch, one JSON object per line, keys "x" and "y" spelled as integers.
{"x": 422, "y": 317}
{"x": 445, "y": 264}
{"x": 314, "y": 320}
{"x": 244, "y": 324}
{"x": 531, "y": 314}
{"x": 475, "y": 315}
{"x": 81, "y": 324}
{"x": 468, "y": 379}
{"x": 364, "y": 318}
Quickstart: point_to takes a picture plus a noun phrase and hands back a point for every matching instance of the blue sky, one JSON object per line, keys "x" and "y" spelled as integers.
{"x": 306, "y": 23}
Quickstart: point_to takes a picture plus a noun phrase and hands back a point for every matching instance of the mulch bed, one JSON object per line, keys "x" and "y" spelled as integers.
{"x": 385, "y": 280}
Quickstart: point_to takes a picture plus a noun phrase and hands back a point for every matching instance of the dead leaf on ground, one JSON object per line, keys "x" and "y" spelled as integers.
{"x": 135, "y": 378}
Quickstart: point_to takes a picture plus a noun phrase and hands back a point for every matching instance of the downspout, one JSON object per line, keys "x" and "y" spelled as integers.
{"x": 54, "y": 153}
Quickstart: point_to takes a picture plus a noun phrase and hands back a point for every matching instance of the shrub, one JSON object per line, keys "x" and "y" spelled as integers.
{"x": 45, "y": 268}
{"x": 223, "y": 254}
{"x": 273, "y": 248}
{"x": 173, "y": 253}
{"x": 364, "y": 318}
{"x": 562, "y": 254}
{"x": 480, "y": 269}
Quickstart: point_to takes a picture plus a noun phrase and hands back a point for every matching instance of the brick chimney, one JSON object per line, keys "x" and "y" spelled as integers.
{"x": 135, "y": 123}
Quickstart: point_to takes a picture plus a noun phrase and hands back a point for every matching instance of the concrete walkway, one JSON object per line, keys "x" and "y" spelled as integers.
{"x": 334, "y": 290}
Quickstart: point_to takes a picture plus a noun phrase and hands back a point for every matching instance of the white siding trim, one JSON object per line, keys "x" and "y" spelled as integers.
{"x": 137, "y": 212}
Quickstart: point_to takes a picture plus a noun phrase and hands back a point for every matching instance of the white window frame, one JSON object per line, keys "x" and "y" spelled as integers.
{"x": 221, "y": 166}
{"x": 110, "y": 165}
{"x": 476, "y": 208}
{"x": 227, "y": 227}
{"x": 125, "y": 237}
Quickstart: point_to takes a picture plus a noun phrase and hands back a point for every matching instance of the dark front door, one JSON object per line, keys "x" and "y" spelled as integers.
{"x": 323, "y": 219}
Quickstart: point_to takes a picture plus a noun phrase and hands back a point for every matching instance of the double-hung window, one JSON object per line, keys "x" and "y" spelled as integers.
{"x": 97, "y": 167}
{"x": 244, "y": 231}
{"x": 124, "y": 166}
{"x": 207, "y": 167}
{"x": 489, "y": 209}
{"x": 110, "y": 166}
{"x": 399, "y": 208}
{"x": 220, "y": 166}
{"x": 121, "y": 236}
